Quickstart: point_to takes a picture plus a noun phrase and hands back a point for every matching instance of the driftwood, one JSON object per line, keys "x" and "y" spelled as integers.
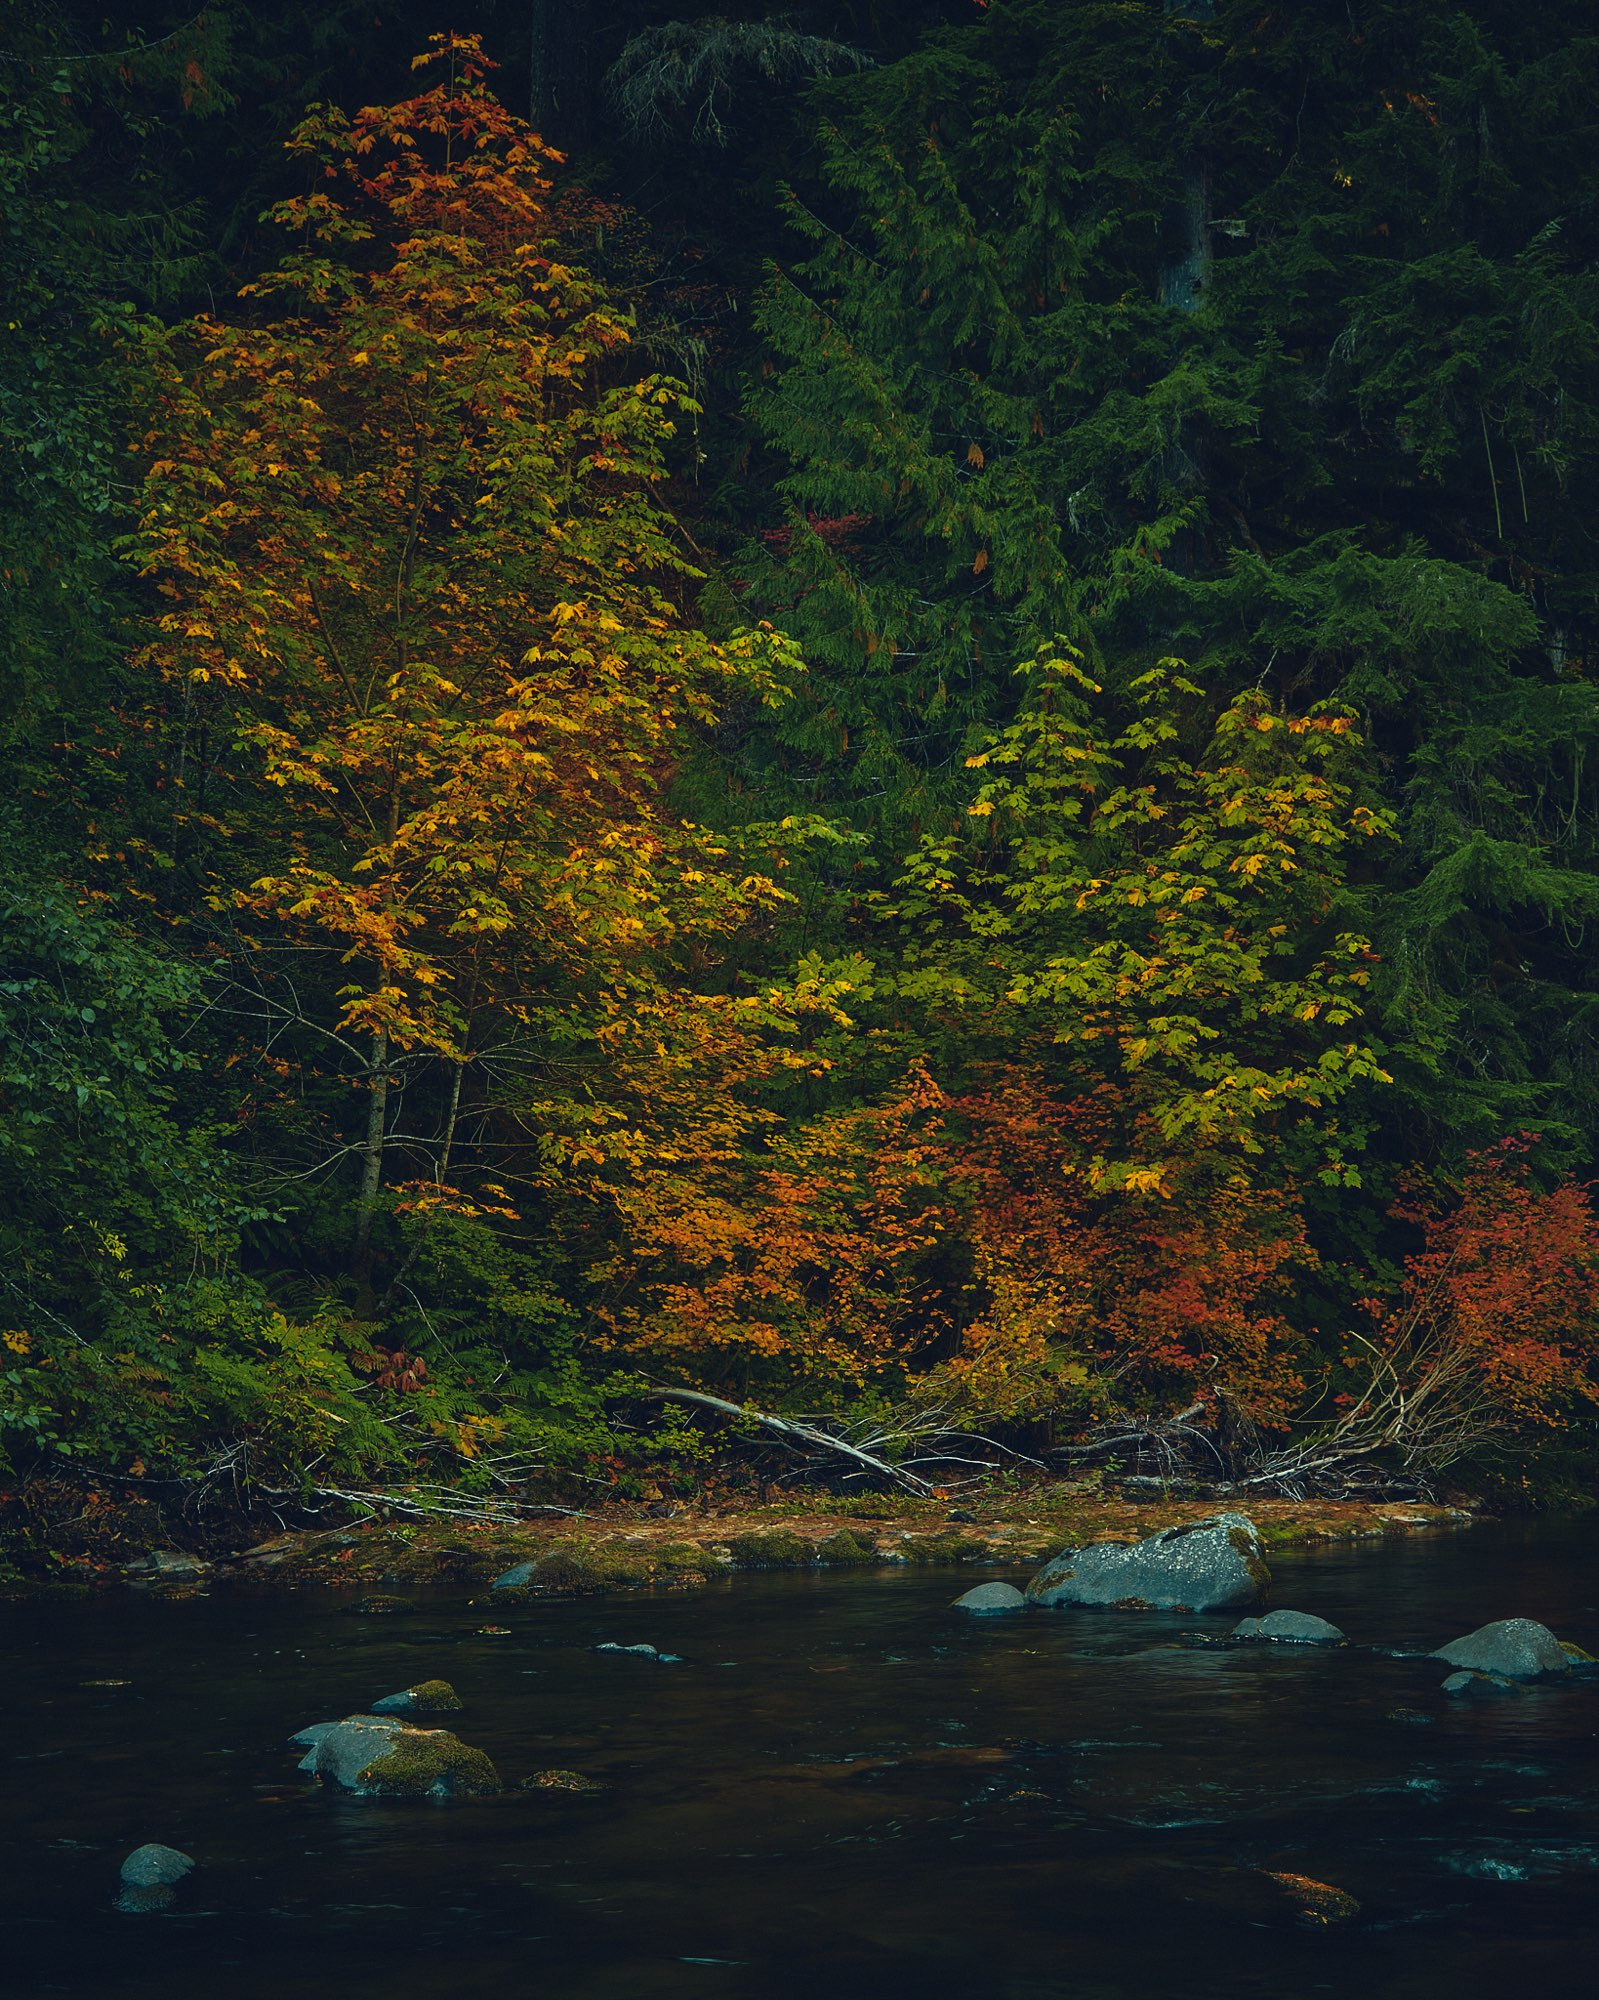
{"x": 793, "y": 1430}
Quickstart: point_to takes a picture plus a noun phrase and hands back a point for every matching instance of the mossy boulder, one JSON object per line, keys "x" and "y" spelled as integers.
{"x": 950, "y": 1547}
{"x": 588, "y": 1569}
{"x": 377, "y": 1756}
{"x": 845, "y": 1550}
{"x": 426, "y": 1698}
{"x": 1209, "y": 1565}
{"x": 778, "y": 1549}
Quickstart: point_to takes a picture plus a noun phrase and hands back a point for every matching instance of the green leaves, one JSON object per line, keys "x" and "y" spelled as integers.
{"x": 1161, "y": 902}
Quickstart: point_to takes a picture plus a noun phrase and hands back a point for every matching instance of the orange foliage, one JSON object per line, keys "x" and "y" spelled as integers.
{"x": 1503, "y": 1287}
{"x": 818, "y": 1254}
{"x": 1170, "y": 1295}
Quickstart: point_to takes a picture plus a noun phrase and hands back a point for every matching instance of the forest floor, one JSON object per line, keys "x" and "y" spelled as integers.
{"x": 623, "y": 1545}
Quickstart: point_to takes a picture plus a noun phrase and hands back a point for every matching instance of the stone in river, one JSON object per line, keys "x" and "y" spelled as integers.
{"x": 426, "y": 1698}
{"x": 1289, "y": 1628}
{"x": 991, "y": 1597}
{"x": 378, "y": 1756}
{"x": 1209, "y": 1565}
{"x": 517, "y": 1577}
{"x": 1479, "y": 1684}
{"x": 155, "y": 1867}
{"x": 1519, "y": 1647}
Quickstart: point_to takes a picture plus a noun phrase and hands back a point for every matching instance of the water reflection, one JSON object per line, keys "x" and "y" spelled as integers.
{"x": 841, "y": 1790}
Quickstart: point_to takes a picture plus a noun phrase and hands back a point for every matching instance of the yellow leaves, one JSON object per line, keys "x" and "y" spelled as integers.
{"x": 974, "y": 456}
{"x": 17, "y": 1342}
{"x": 979, "y": 562}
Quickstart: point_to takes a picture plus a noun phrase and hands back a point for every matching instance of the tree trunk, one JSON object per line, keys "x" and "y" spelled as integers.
{"x": 371, "y": 1171}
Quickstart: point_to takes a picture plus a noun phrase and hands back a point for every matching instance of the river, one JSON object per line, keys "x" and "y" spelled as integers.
{"x": 842, "y": 1790}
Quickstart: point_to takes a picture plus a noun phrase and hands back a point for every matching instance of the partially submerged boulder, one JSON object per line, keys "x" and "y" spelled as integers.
{"x": 154, "y": 1866}
{"x": 426, "y": 1698}
{"x": 378, "y": 1756}
{"x": 989, "y": 1598}
{"x": 1477, "y": 1685}
{"x": 1520, "y": 1648}
{"x": 1209, "y": 1565}
{"x": 148, "y": 1876}
{"x": 1289, "y": 1628}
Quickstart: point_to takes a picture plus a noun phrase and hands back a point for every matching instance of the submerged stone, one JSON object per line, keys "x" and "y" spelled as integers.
{"x": 1477, "y": 1684}
{"x": 1519, "y": 1647}
{"x": 1209, "y": 1565}
{"x": 989, "y": 1598}
{"x": 1289, "y": 1628}
{"x": 426, "y": 1698}
{"x": 377, "y": 1756}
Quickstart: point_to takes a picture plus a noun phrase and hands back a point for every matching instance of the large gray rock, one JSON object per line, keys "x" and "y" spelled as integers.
{"x": 991, "y": 1597}
{"x": 378, "y": 1756}
{"x": 1208, "y": 1565}
{"x": 1519, "y": 1647}
{"x": 155, "y": 1867}
{"x": 1289, "y": 1628}
{"x": 517, "y": 1577}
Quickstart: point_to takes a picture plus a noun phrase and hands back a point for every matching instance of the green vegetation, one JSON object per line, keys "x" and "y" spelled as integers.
{"x": 947, "y": 792}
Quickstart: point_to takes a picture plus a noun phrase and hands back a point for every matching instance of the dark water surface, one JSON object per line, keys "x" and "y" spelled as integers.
{"x": 845, "y": 1790}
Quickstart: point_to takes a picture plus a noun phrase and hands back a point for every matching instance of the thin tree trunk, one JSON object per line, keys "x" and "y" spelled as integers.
{"x": 371, "y": 1166}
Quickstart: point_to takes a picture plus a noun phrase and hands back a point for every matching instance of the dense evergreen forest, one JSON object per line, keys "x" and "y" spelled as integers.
{"x": 880, "y": 715}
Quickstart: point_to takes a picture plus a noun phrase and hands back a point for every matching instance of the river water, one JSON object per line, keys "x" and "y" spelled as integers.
{"x": 844, "y": 1789}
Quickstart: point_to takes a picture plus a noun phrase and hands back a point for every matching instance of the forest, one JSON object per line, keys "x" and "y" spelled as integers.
{"x": 829, "y": 746}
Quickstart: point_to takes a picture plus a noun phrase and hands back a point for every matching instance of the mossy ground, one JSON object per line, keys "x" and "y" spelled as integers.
{"x": 632, "y": 1547}
{"x": 663, "y": 1546}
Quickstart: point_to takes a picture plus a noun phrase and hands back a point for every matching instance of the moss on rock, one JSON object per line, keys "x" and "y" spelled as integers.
{"x": 780, "y": 1549}
{"x": 560, "y": 1781}
{"x": 845, "y": 1549}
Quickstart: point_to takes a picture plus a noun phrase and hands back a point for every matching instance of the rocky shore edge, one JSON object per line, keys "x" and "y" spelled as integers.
{"x": 633, "y": 1546}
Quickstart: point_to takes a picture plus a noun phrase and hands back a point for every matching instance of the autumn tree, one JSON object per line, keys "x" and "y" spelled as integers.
{"x": 426, "y": 666}
{"x": 1163, "y": 904}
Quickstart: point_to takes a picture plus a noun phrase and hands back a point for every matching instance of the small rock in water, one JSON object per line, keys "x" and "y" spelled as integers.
{"x": 1316, "y": 1902}
{"x": 518, "y": 1577}
{"x": 642, "y": 1652}
{"x": 1519, "y": 1647}
{"x": 988, "y": 1598}
{"x": 1473, "y": 1683}
{"x": 1407, "y": 1715}
{"x": 425, "y": 1698}
{"x": 1289, "y": 1628}
{"x": 560, "y": 1781}
{"x": 154, "y": 1866}
{"x": 376, "y": 1607}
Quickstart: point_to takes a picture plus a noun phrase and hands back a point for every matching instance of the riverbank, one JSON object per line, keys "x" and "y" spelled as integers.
{"x": 637, "y": 1546}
